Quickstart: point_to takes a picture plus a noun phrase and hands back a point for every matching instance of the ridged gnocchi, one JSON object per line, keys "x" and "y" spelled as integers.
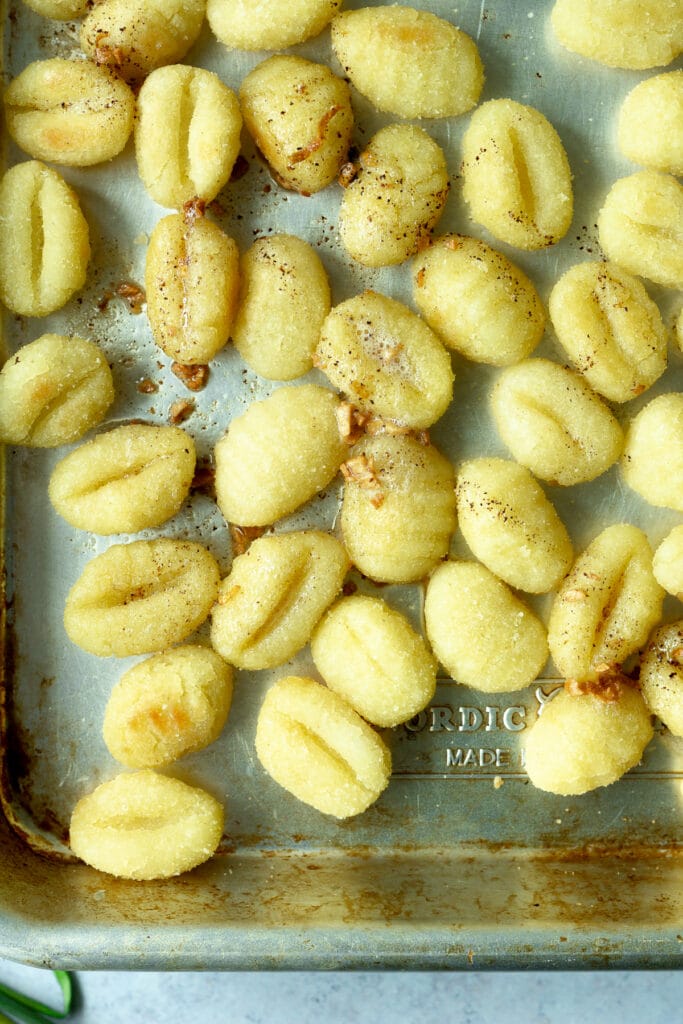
{"x": 516, "y": 177}
{"x": 300, "y": 117}
{"x": 610, "y": 328}
{"x": 621, "y": 33}
{"x": 606, "y": 606}
{"x": 661, "y": 675}
{"x": 274, "y": 595}
{"x": 478, "y": 302}
{"x": 482, "y": 634}
{"x": 398, "y": 509}
{"x": 275, "y": 25}
{"x": 53, "y": 390}
{"x": 284, "y": 298}
{"x": 371, "y": 656}
{"x": 192, "y": 287}
{"x": 141, "y": 597}
{"x": 408, "y": 62}
{"x": 510, "y": 525}
{"x": 69, "y": 112}
{"x": 652, "y": 463}
{"x": 127, "y": 479}
{"x": 169, "y": 705}
{"x": 657, "y": 100}
{"x": 44, "y": 240}
{"x": 142, "y": 825}
{"x": 278, "y": 454}
{"x": 319, "y": 749}
{"x": 386, "y": 360}
{"x": 553, "y": 423}
{"x": 187, "y": 134}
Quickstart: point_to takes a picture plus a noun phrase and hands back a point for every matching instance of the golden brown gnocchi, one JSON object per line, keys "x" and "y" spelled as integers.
{"x": 142, "y": 825}
{"x": 652, "y": 463}
{"x": 478, "y": 302}
{"x": 169, "y": 705}
{"x": 299, "y": 114}
{"x": 319, "y": 749}
{"x": 274, "y": 595}
{"x": 371, "y": 656}
{"x": 395, "y": 196}
{"x": 516, "y": 177}
{"x": 130, "y": 478}
{"x": 275, "y": 25}
{"x": 386, "y": 360}
{"x": 621, "y": 33}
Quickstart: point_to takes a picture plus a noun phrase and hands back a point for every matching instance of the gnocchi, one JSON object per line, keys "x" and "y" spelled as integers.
{"x": 661, "y": 676}
{"x": 192, "y": 287}
{"x": 253, "y": 25}
{"x": 478, "y": 302}
{"x": 69, "y": 112}
{"x": 386, "y": 360}
{"x": 187, "y": 134}
{"x": 395, "y": 196}
{"x": 319, "y": 749}
{"x": 652, "y": 463}
{"x": 284, "y": 298}
{"x": 398, "y": 508}
{"x": 385, "y": 49}
{"x": 634, "y": 34}
{"x": 372, "y": 657}
{"x": 275, "y": 593}
{"x": 482, "y": 634}
{"x": 610, "y": 328}
{"x": 657, "y": 100}
{"x": 667, "y": 564}
{"x": 169, "y": 705}
{"x": 53, "y": 390}
{"x": 142, "y": 825}
{"x": 640, "y": 226}
{"x": 125, "y": 480}
{"x": 516, "y": 177}
{"x": 510, "y": 525}
{"x": 606, "y": 606}
{"x": 278, "y": 454}
{"x": 141, "y": 597}
{"x": 44, "y": 240}
{"x": 299, "y": 115}
{"x": 59, "y": 10}
{"x": 553, "y": 423}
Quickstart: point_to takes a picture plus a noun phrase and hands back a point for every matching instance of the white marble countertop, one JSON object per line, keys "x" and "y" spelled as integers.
{"x": 107, "y": 997}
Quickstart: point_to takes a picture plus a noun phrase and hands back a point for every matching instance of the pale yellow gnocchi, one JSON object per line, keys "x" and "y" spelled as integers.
{"x": 192, "y": 287}
{"x": 312, "y": 742}
{"x": 274, "y": 595}
{"x": 582, "y": 741}
{"x": 69, "y": 112}
{"x": 482, "y": 634}
{"x": 667, "y": 564}
{"x": 606, "y": 606}
{"x": 278, "y": 454}
{"x": 640, "y": 226}
{"x": 134, "y": 38}
{"x": 125, "y": 480}
{"x": 169, "y": 705}
{"x": 60, "y": 10}
{"x": 610, "y": 328}
{"x": 143, "y": 825}
{"x": 284, "y": 298}
{"x": 516, "y": 177}
{"x": 652, "y": 463}
{"x": 44, "y": 240}
{"x": 398, "y": 509}
{"x": 478, "y": 302}
{"x": 408, "y": 62}
{"x": 371, "y": 656}
{"x": 553, "y": 423}
{"x": 386, "y": 360}
{"x": 655, "y": 101}
{"x": 621, "y": 33}
{"x": 141, "y": 597}
{"x": 187, "y": 134}
{"x": 510, "y": 525}
{"x": 394, "y": 196}
{"x": 275, "y": 25}
{"x": 299, "y": 115}
{"x": 661, "y": 676}
{"x": 53, "y": 390}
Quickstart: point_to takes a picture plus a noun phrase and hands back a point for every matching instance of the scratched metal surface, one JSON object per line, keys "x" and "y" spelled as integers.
{"x": 442, "y": 795}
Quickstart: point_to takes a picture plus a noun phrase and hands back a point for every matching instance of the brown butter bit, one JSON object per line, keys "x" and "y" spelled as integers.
{"x": 607, "y": 684}
{"x": 180, "y": 411}
{"x": 133, "y": 295}
{"x": 351, "y": 422}
{"x": 193, "y": 209}
{"x": 242, "y": 536}
{"x": 361, "y": 470}
{"x": 146, "y": 386}
{"x": 193, "y": 376}
{"x": 318, "y": 141}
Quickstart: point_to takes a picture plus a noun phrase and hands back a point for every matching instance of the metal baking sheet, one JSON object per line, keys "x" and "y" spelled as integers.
{"x": 461, "y": 862}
